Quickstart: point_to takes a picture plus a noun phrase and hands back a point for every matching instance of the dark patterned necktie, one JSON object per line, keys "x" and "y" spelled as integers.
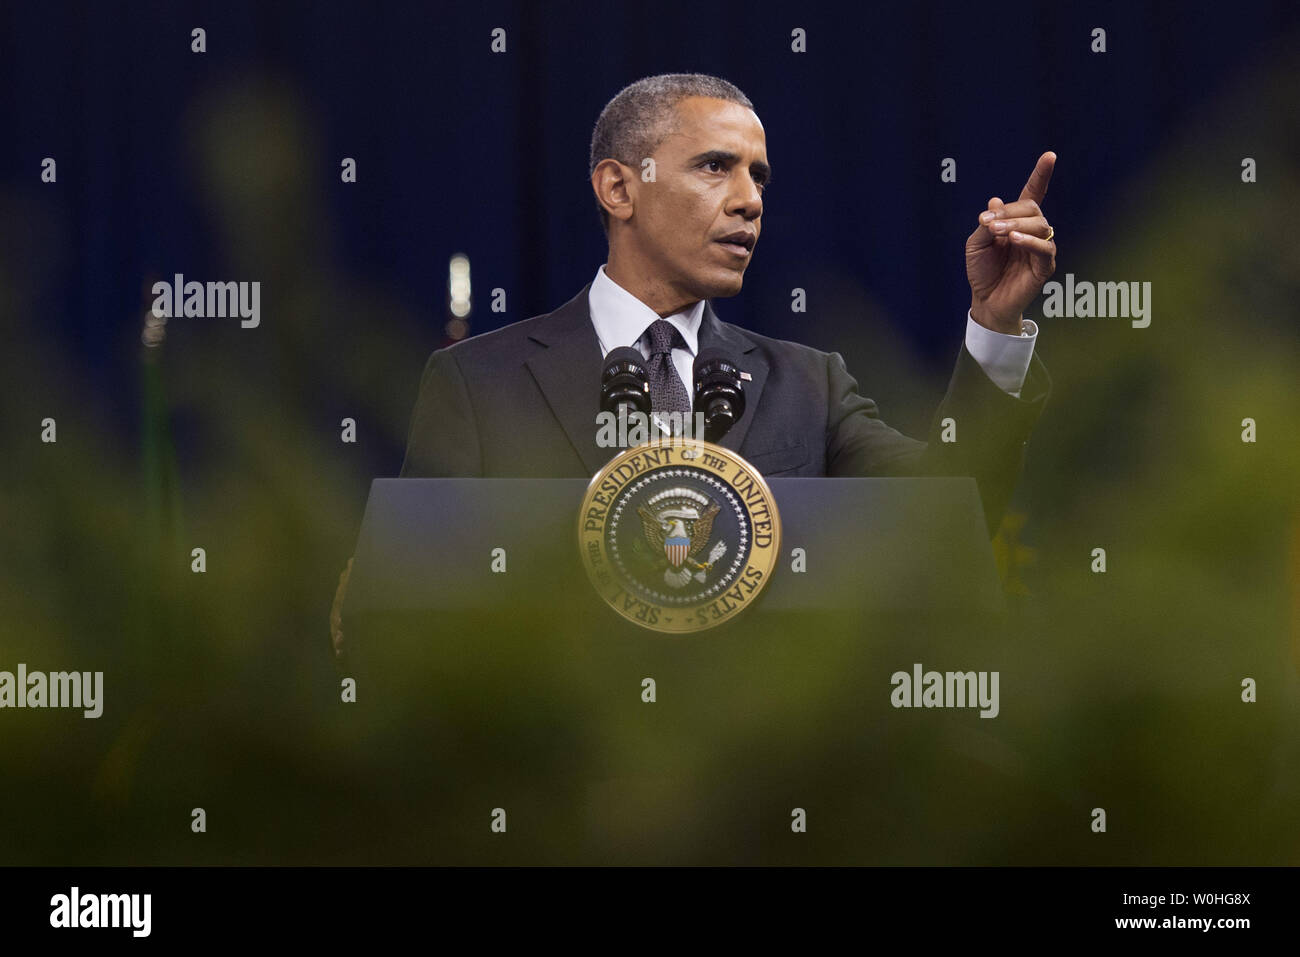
{"x": 667, "y": 393}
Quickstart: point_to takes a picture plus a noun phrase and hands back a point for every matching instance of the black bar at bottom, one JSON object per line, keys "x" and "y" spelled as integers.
{"x": 334, "y": 905}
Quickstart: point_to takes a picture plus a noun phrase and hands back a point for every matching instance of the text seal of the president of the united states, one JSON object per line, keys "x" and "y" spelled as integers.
{"x": 679, "y": 536}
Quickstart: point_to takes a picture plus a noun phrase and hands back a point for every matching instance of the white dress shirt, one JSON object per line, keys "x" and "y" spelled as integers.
{"x": 1004, "y": 358}
{"x": 621, "y": 319}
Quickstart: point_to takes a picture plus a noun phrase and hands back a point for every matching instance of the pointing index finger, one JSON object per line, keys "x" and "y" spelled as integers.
{"x": 1036, "y": 187}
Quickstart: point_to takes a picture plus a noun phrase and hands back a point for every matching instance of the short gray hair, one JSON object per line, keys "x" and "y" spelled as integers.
{"x": 641, "y": 115}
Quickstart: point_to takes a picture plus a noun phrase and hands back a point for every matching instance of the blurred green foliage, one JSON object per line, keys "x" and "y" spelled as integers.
{"x": 1120, "y": 690}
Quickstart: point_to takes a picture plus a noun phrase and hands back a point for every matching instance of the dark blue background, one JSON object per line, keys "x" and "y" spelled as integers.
{"x": 460, "y": 149}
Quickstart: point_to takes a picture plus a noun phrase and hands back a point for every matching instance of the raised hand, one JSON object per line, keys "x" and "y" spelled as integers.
{"x": 1011, "y": 254}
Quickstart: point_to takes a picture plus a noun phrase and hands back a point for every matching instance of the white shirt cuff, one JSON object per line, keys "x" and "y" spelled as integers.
{"x": 1004, "y": 358}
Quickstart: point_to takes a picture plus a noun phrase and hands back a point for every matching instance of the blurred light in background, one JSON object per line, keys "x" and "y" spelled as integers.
{"x": 458, "y": 289}
{"x": 155, "y": 328}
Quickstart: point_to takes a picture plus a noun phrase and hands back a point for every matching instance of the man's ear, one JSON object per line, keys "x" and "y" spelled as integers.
{"x": 615, "y": 188}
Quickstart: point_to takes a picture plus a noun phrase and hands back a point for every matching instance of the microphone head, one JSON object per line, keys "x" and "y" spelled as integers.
{"x": 715, "y": 359}
{"x": 624, "y": 382}
{"x": 623, "y": 359}
{"x": 719, "y": 392}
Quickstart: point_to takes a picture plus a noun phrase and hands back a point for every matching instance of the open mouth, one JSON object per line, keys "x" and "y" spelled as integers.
{"x": 739, "y": 244}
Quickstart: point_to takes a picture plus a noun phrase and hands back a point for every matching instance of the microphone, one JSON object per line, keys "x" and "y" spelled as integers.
{"x": 625, "y": 383}
{"x": 718, "y": 392}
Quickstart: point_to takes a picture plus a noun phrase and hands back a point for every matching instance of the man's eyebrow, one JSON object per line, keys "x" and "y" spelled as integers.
{"x": 758, "y": 169}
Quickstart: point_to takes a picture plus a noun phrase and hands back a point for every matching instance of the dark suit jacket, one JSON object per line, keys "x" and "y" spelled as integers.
{"x": 522, "y": 402}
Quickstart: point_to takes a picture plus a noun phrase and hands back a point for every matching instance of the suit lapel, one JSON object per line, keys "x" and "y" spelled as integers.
{"x": 567, "y": 370}
{"x": 744, "y": 351}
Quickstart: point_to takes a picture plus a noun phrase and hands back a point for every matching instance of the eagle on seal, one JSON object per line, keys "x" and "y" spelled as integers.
{"x": 678, "y": 534}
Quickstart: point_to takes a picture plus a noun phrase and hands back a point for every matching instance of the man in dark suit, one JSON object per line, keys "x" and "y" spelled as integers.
{"x": 522, "y": 402}
{"x": 678, "y": 168}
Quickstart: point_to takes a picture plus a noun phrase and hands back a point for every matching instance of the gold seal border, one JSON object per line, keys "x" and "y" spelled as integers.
{"x": 601, "y": 573}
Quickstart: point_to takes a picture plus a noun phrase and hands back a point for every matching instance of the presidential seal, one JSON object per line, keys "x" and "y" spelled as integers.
{"x": 679, "y": 536}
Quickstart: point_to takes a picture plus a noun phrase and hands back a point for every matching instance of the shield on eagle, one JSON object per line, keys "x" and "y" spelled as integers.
{"x": 676, "y": 548}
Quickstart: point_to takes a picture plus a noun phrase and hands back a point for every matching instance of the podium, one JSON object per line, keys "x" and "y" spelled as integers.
{"x": 896, "y": 544}
{"x": 493, "y": 680}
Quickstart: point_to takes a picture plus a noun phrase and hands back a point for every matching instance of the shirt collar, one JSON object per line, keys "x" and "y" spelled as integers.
{"x": 621, "y": 318}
